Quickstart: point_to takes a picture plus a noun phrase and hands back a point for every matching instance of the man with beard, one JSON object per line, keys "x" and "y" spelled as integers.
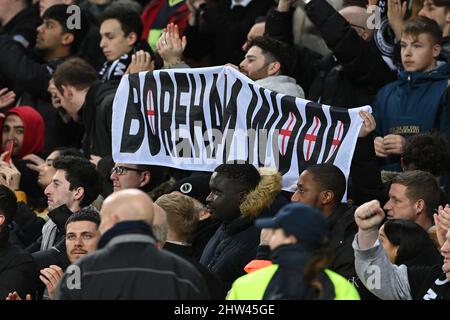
{"x": 82, "y": 235}
{"x": 270, "y": 62}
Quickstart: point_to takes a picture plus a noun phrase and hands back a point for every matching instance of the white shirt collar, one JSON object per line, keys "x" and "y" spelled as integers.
{"x": 242, "y": 3}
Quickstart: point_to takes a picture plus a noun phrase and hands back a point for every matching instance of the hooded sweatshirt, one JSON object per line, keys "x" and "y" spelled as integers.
{"x": 413, "y": 104}
{"x": 283, "y": 85}
{"x": 33, "y": 130}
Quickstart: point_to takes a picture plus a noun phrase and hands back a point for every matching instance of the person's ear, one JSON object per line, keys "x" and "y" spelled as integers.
{"x": 274, "y": 68}
{"x": 67, "y": 39}
{"x": 78, "y": 193}
{"x": 395, "y": 248}
{"x": 132, "y": 38}
{"x": 145, "y": 178}
{"x": 326, "y": 197}
{"x": 114, "y": 219}
{"x": 436, "y": 50}
{"x": 67, "y": 91}
{"x": 420, "y": 206}
{"x": 291, "y": 239}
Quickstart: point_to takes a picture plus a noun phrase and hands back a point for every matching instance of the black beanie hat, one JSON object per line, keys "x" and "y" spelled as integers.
{"x": 195, "y": 186}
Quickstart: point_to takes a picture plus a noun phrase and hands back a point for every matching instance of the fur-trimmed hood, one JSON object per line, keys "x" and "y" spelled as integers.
{"x": 264, "y": 194}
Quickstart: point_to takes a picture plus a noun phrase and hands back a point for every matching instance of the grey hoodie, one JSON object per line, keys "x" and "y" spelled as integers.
{"x": 283, "y": 85}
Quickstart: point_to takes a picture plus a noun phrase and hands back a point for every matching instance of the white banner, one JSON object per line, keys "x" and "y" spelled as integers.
{"x": 197, "y": 119}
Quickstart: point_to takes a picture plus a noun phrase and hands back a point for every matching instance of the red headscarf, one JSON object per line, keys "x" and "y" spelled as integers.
{"x": 33, "y": 130}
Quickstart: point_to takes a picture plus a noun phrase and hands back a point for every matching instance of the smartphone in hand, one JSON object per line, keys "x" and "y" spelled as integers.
{"x": 9, "y": 149}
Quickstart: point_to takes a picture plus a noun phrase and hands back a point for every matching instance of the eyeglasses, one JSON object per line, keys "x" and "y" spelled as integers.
{"x": 121, "y": 170}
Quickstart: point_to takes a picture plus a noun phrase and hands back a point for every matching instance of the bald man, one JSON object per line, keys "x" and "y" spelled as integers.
{"x": 358, "y": 17}
{"x": 127, "y": 264}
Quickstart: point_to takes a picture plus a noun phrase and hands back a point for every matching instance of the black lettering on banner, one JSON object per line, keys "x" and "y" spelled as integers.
{"x": 311, "y": 136}
{"x": 167, "y": 87}
{"x": 182, "y": 85}
{"x": 130, "y": 143}
{"x": 150, "y": 98}
{"x": 216, "y": 114}
{"x": 252, "y": 122}
{"x": 258, "y": 122}
{"x": 196, "y": 112}
{"x": 230, "y": 115}
{"x": 340, "y": 124}
{"x": 291, "y": 120}
{"x": 264, "y": 134}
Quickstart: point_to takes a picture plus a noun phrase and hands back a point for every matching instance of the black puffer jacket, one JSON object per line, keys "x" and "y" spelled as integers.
{"x": 231, "y": 248}
{"x": 235, "y": 243}
{"x": 127, "y": 265}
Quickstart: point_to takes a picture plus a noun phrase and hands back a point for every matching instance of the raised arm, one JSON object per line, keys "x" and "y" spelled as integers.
{"x": 361, "y": 58}
{"x": 383, "y": 279}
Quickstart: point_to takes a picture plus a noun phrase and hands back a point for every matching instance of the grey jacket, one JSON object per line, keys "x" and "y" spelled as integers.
{"x": 283, "y": 85}
{"x": 385, "y": 280}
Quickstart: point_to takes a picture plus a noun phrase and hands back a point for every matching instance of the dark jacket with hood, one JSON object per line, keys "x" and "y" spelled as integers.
{"x": 234, "y": 244}
{"x": 17, "y": 268}
{"x": 415, "y": 103}
{"x": 127, "y": 265}
{"x": 33, "y": 142}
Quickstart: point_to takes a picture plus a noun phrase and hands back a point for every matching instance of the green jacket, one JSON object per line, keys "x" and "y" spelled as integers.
{"x": 252, "y": 286}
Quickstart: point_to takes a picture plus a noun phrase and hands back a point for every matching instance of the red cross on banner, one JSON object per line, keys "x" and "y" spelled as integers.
{"x": 286, "y": 133}
{"x": 337, "y": 141}
{"x": 311, "y": 137}
{"x": 337, "y": 138}
{"x": 151, "y": 111}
